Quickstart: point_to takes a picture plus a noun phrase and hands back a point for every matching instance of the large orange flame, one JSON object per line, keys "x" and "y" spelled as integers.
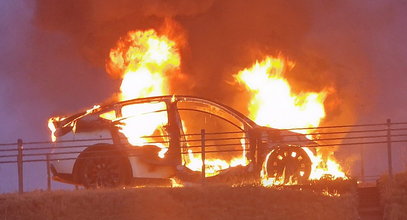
{"x": 274, "y": 104}
{"x": 143, "y": 59}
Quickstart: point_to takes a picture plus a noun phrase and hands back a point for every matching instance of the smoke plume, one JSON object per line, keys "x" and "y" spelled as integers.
{"x": 53, "y": 53}
{"x": 223, "y": 37}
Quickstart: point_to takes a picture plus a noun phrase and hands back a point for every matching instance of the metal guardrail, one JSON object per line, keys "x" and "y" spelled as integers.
{"x": 326, "y": 136}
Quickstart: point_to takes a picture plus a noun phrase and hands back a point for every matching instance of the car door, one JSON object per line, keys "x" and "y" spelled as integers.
{"x": 145, "y": 125}
{"x": 225, "y": 137}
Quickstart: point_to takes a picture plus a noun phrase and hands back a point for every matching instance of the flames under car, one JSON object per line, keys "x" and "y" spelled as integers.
{"x": 153, "y": 140}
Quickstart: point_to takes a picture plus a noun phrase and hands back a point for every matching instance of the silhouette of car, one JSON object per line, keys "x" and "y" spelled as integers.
{"x": 152, "y": 140}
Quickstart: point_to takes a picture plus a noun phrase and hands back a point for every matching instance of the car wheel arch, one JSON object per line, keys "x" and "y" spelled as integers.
{"x": 79, "y": 162}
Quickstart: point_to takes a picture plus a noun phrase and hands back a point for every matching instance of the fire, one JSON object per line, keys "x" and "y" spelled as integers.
{"x": 324, "y": 167}
{"x": 214, "y": 166}
{"x": 52, "y": 128}
{"x": 273, "y": 104}
{"x": 272, "y": 97}
{"x": 176, "y": 183}
{"x": 143, "y": 59}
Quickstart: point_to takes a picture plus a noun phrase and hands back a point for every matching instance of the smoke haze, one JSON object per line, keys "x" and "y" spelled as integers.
{"x": 327, "y": 41}
{"x": 53, "y": 53}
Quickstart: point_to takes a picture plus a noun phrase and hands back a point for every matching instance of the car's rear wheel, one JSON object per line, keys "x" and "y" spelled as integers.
{"x": 289, "y": 165}
{"x": 103, "y": 170}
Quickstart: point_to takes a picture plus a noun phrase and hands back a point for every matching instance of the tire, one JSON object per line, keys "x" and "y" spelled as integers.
{"x": 289, "y": 165}
{"x": 104, "y": 169}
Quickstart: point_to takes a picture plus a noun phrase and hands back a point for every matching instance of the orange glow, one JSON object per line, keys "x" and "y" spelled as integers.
{"x": 327, "y": 167}
{"x": 212, "y": 167}
{"x": 143, "y": 59}
{"x": 52, "y": 127}
{"x": 176, "y": 183}
{"x": 273, "y": 104}
{"x": 146, "y": 60}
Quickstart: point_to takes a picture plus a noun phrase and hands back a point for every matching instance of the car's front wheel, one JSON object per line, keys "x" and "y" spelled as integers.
{"x": 288, "y": 165}
{"x": 103, "y": 170}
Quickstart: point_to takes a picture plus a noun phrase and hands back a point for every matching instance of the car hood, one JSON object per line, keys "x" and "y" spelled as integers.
{"x": 283, "y": 137}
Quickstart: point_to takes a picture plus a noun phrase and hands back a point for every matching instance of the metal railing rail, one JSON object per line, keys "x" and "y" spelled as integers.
{"x": 204, "y": 143}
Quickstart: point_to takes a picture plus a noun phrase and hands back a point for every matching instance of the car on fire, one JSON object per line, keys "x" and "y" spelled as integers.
{"x": 155, "y": 140}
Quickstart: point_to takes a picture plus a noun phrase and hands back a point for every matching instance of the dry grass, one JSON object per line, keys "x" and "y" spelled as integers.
{"x": 178, "y": 203}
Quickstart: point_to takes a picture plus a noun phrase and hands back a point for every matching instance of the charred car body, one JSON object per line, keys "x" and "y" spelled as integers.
{"x": 150, "y": 140}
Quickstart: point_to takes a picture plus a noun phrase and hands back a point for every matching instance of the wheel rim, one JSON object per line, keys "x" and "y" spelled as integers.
{"x": 289, "y": 165}
{"x": 102, "y": 172}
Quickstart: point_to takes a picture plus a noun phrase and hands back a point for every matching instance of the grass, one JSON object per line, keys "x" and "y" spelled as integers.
{"x": 178, "y": 203}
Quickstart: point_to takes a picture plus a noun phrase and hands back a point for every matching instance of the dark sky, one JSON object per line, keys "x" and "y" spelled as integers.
{"x": 52, "y": 54}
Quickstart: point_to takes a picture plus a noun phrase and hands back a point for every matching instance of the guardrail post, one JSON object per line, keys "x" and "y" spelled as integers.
{"x": 362, "y": 163}
{"x": 20, "y": 165}
{"x": 203, "y": 156}
{"x": 48, "y": 174}
{"x": 389, "y": 157}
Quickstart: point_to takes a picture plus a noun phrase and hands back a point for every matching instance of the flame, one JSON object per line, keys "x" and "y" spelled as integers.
{"x": 94, "y": 108}
{"x": 324, "y": 167}
{"x": 274, "y": 104}
{"x": 52, "y": 128}
{"x": 273, "y": 98}
{"x": 143, "y": 59}
{"x": 214, "y": 166}
{"x": 175, "y": 183}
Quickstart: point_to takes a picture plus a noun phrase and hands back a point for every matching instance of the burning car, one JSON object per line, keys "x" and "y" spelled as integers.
{"x": 158, "y": 139}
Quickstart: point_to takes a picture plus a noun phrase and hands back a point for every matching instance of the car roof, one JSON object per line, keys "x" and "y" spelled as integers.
{"x": 166, "y": 98}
